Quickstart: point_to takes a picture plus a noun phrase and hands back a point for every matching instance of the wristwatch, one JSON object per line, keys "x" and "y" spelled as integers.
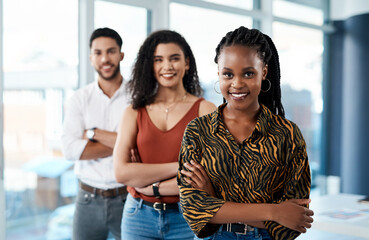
{"x": 155, "y": 189}
{"x": 90, "y": 134}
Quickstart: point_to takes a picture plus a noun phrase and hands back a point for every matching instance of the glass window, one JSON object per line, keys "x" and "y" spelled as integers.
{"x": 245, "y": 4}
{"x": 204, "y": 38}
{"x": 131, "y": 24}
{"x": 40, "y": 67}
{"x": 301, "y": 52}
{"x": 303, "y": 13}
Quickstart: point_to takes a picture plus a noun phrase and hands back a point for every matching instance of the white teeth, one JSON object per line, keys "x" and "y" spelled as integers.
{"x": 168, "y": 75}
{"x": 239, "y": 94}
{"x": 106, "y": 67}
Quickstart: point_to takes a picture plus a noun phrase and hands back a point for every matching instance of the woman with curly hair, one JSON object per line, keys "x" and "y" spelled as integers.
{"x": 166, "y": 96}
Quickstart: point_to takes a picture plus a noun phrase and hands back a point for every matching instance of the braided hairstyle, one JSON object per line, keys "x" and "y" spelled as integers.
{"x": 143, "y": 84}
{"x": 267, "y": 52}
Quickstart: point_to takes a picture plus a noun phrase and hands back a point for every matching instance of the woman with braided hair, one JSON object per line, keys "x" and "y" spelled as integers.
{"x": 244, "y": 171}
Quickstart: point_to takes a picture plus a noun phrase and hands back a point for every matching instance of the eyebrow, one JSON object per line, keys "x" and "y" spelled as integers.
{"x": 244, "y": 69}
{"x": 173, "y": 55}
{"x": 109, "y": 49}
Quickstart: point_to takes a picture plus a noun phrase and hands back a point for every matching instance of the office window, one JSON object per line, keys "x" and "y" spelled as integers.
{"x": 204, "y": 38}
{"x": 303, "y": 13}
{"x": 300, "y": 52}
{"x": 131, "y": 24}
{"x": 245, "y": 4}
{"x": 40, "y": 67}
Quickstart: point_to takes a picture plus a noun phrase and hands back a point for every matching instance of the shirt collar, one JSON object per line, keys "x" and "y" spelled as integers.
{"x": 121, "y": 90}
{"x": 261, "y": 123}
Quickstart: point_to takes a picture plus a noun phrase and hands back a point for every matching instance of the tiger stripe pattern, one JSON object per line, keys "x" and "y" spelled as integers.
{"x": 270, "y": 166}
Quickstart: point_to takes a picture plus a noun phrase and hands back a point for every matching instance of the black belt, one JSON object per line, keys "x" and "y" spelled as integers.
{"x": 159, "y": 206}
{"x": 239, "y": 228}
{"x": 113, "y": 192}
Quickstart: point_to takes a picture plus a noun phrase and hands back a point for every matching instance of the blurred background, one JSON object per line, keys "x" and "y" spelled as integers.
{"x": 324, "y": 52}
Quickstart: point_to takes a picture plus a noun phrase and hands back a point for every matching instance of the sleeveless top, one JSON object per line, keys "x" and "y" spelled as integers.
{"x": 157, "y": 146}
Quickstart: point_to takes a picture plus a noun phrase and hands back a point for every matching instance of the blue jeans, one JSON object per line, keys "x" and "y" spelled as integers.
{"x": 257, "y": 234}
{"x": 95, "y": 216}
{"x": 142, "y": 222}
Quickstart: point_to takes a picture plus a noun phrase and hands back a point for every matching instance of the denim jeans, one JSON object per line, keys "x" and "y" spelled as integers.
{"x": 257, "y": 234}
{"x": 95, "y": 216}
{"x": 142, "y": 222}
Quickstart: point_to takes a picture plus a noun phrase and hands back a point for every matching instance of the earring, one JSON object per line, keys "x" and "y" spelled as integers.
{"x": 268, "y": 88}
{"x": 215, "y": 89}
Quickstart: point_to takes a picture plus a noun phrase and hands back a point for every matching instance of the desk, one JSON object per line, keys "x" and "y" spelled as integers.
{"x": 328, "y": 203}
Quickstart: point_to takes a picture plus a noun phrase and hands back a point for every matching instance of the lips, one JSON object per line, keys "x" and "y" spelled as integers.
{"x": 106, "y": 67}
{"x": 238, "y": 96}
{"x": 168, "y": 75}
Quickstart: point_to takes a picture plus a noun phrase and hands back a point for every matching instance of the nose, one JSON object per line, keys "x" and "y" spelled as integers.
{"x": 237, "y": 83}
{"x": 168, "y": 65}
{"x": 105, "y": 58}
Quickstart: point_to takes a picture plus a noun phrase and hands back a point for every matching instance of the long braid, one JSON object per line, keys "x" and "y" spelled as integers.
{"x": 267, "y": 52}
{"x": 273, "y": 98}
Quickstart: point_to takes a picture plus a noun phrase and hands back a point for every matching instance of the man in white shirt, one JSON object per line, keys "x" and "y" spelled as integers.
{"x": 90, "y": 128}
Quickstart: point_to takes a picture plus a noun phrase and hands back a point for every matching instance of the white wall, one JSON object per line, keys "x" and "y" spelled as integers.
{"x": 343, "y": 9}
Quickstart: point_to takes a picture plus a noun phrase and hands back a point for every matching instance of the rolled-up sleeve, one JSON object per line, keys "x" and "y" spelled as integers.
{"x": 198, "y": 206}
{"x": 297, "y": 184}
{"x": 73, "y": 129}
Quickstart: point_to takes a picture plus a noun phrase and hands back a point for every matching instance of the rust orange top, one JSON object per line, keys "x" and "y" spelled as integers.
{"x": 157, "y": 146}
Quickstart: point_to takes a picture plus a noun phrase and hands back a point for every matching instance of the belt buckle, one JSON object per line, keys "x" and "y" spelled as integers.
{"x": 244, "y": 230}
{"x": 158, "y": 204}
{"x": 102, "y": 193}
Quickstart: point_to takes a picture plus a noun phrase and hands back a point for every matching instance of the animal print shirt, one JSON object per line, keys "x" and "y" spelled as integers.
{"x": 270, "y": 166}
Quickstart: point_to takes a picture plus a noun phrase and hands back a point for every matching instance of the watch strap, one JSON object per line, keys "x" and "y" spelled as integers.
{"x": 92, "y": 137}
{"x": 155, "y": 189}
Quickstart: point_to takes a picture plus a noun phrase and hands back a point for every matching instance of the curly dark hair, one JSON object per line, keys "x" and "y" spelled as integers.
{"x": 143, "y": 84}
{"x": 267, "y": 52}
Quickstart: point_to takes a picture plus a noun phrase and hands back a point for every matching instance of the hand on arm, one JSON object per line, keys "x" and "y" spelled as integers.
{"x": 290, "y": 213}
{"x": 95, "y": 150}
{"x": 101, "y": 147}
{"x": 166, "y": 188}
{"x": 132, "y": 172}
{"x": 104, "y": 137}
{"x": 294, "y": 215}
{"x": 198, "y": 178}
{"x": 296, "y": 184}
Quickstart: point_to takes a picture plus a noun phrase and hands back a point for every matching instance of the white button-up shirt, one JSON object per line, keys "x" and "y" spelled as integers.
{"x": 89, "y": 107}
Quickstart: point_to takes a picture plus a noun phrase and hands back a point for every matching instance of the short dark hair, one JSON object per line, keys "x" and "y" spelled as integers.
{"x": 106, "y": 32}
{"x": 268, "y": 53}
{"x": 143, "y": 85}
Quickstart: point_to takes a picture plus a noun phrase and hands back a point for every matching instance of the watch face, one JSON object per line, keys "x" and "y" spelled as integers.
{"x": 90, "y": 133}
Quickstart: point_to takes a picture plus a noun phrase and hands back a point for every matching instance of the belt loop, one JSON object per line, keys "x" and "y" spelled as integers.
{"x": 256, "y": 232}
{"x": 116, "y": 191}
{"x": 94, "y": 193}
{"x": 140, "y": 203}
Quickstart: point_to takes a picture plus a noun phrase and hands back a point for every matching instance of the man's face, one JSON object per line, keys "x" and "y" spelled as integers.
{"x": 105, "y": 57}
